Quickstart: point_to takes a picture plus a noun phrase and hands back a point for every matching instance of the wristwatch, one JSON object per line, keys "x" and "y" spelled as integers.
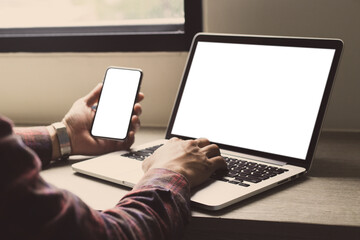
{"x": 64, "y": 140}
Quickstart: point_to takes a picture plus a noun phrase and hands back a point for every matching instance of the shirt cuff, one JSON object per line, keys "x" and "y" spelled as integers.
{"x": 166, "y": 179}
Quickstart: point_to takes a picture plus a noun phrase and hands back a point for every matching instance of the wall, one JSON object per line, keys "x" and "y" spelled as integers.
{"x": 40, "y": 88}
{"x": 310, "y": 18}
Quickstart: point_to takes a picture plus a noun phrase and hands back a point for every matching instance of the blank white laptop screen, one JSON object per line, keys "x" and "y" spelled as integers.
{"x": 259, "y": 97}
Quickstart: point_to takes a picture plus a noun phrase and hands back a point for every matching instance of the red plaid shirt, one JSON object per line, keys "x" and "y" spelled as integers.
{"x": 30, "y": 208}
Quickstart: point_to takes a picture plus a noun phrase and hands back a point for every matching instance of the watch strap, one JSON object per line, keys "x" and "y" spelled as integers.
{"x": 64, "y": 140}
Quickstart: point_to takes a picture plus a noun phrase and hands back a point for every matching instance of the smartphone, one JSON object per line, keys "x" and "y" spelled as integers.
{"x": 116, "y": 103}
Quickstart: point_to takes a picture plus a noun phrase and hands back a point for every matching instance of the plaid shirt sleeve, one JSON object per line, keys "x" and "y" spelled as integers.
{"x": 38, "y": 139}
{"x": 30, "y": 208}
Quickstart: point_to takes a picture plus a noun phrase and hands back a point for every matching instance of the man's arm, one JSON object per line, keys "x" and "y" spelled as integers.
{"x": 40, "y": 141}
{"x": 157, "y": 208}
{"x": 44, "y": 141}
{"x": 163, "y": 198}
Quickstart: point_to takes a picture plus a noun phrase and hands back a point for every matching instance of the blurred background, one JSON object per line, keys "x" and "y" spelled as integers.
{"x": 39, "y": 88}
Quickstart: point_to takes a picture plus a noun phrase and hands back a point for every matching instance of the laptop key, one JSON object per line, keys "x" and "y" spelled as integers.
{"x": 243, "y": 184}
{"x": 224, "y": 179}
{"x": 240, "y": 183}
{"x": 234, "y": 181}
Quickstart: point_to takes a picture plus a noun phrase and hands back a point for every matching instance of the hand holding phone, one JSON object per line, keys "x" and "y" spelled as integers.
{"x": 116, "y": 103}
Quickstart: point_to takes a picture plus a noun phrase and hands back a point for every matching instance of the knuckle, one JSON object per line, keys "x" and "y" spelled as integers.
{"x": 173, "y": 139}
{"x": 190, "y": 146}
{"x": 192, "y": 142}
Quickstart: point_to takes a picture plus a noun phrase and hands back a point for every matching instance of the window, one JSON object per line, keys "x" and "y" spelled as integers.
{"x": 98, "y": 25}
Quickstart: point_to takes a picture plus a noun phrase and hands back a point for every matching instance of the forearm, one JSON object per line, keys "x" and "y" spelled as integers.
{"x": 39, "y": 140}
{"x": 148, "y": 212}
{"x": 43, "y": 140}
{"x": 159, "y": 205}
{"x": 157, "y": 208}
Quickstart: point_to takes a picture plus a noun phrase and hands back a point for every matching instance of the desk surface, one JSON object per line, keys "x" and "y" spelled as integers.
{"x": 328, "y": 196}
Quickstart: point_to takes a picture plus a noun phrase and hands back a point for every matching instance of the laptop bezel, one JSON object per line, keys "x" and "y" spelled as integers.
{"x": 335, "y": 44}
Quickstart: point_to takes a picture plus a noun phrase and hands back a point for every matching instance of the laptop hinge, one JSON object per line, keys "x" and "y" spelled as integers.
{"x": 253, "y": 158}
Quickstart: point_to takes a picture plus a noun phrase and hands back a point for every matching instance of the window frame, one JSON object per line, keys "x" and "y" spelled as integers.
{"x": 137, "y": 38}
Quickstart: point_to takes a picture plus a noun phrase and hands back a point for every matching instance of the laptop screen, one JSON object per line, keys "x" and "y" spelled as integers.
{"x": 264, "y": 98}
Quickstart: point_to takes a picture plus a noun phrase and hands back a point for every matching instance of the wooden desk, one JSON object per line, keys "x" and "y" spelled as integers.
{"x": 323, "y": 205}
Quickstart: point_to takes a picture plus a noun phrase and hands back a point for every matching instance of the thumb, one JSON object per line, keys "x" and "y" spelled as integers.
{"x": 92, "y": 97}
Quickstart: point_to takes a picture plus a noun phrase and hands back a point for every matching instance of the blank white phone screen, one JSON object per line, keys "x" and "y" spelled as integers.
{"x": 264, "y": 98}
{"x": 114, "y": 110}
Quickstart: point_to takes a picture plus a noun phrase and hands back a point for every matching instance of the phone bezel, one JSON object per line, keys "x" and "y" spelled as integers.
{"x": 132, "y": 113}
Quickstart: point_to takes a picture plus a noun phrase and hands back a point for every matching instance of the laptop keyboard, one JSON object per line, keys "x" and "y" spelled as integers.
{"x": 242, "y": 172}
{"x": 142, "y": 154}
{"x": 239, "y": 172}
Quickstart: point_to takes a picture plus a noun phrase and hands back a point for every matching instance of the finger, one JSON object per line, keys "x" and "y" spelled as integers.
{"x": 217, "y": 163}
{"x": 137, "y": 109}
{"x": 202, "y": 142}
{"x": 135, "y": 123}
{"x": 211, "y": 150}
{"x": 140, "y": 97}
{"x": 129, "y": 141}
{"x": 92, "y": 97}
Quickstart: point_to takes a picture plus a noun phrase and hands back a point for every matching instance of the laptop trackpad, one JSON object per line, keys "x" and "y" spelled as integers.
{"x": 214, "y": 194}
{"x": 112, "y": 168}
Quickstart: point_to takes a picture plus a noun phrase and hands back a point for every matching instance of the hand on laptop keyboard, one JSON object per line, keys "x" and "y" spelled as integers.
{"x": 238, "y": 171}
{"x": 195, "y": 159}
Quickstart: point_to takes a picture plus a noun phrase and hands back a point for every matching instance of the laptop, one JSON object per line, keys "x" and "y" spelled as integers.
{"x": 261, "y": 99}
